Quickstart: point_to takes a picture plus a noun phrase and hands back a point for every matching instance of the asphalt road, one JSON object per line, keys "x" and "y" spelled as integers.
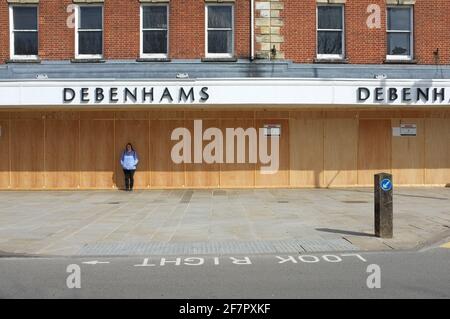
{"x": 403, "y": 274}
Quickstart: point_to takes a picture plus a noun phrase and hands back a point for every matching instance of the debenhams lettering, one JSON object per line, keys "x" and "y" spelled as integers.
{"x": 136, "y": 95}
{"x": 404, "y": 95}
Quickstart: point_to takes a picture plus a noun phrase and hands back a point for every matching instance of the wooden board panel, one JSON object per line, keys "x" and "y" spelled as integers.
{"x": 374, "y": 149}
{"x": 28, "y": 115}
{"x": 97, "y": 153}
{"x": 202, "y": 174}
{"x": 306, "y": 152}
{"x": 61, "y": 154}
{"x": 341, "y": 152}
{"x": 97, "y": 115}
{"x": 389, "y": 114}
{"x": 280, "y": 178}
{"x": 201, "y": 114}
{"x": 341, "y": 114}
{"x": 166, "y": 114}
{"x": 437, "y": 151}
{"x": 27, "y": 154}
{"x": 164, "y": 172}
{"x": 408, "y": 154}
{"x": 132, "y": 115}
{"x": 272, "y": 114}
{"x": 439, "y": 113}
{"x": 233, "y": 114}
{"x": 4, "y": 154}
{"x": 214, "y": 114}
{"x": 237, "y": 174}
{"x": 57, "y": 115}
{"x": 135, "y": 132}
{"x": 306, "y": 114}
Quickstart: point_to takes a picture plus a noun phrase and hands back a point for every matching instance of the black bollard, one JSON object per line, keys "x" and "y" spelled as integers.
{"x": 383, "y": 205}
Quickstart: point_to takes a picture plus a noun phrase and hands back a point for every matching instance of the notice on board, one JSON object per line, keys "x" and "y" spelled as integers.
{"x": 272, "y": 130}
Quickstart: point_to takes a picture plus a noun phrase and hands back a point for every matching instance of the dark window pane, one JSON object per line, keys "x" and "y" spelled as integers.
{"x": 329, "y": 17}
{"x": 25, "y": 18}
{"x": 155, "y": 17}
{"x": 330, "y": 42}
{"x": 155, "y": 42}
{"x": 90, "y": 42}
{"x": 91, "y": 18}
{"x": 219, "y": 17}
{"x": 399, "y": 19}
{"x": 399, "y": 44}
{"x": 220, "y": 41}
{"x": 26, "y": 43}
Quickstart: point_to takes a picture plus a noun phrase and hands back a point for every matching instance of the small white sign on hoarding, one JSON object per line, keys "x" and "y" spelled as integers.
{"x": 272, "y": 130}
{"x": 408, "y": 129}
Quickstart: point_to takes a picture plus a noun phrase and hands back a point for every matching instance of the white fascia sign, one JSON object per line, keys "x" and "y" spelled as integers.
{"x": 211, "y": 92}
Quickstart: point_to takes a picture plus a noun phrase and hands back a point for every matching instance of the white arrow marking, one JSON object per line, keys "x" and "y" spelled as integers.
{"x": 95, "y": 262}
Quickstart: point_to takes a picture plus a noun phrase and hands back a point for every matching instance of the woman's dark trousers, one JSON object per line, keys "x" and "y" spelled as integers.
{"x": 129, "y": 178}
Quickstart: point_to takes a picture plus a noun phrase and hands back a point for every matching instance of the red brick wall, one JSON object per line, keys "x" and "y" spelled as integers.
{"x": 187, "y": 29}
{"x": 364, "y": 45}
{"x": 432, "y": 31}
{"x": 242, "y": 28}
{"x": 187, "y": 34}
{"x": 56, "y": 40}
{"x": 299, "y": 30}
{"x": 121, "y": 29}
{"x": 4, "y": 31}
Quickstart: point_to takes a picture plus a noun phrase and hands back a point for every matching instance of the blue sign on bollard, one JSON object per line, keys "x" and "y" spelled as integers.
{"x": 386, "y": 184}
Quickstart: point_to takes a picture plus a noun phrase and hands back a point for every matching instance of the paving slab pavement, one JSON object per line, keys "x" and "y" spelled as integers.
{"x": 74, "y": 223}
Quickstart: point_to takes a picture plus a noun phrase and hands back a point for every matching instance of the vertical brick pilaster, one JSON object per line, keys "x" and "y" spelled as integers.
{"x": 56, "y": 37}
{"x": 4, "y": 31}
{"x": 121, "y": 29}
{"x": 363, "y": 43}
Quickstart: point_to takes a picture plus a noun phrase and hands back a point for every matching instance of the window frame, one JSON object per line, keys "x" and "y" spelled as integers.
{"x": 12, "y": 48}
{"x": 141, "y": 33}
{"x": 403, "y": 57}
{"x": 330, "y": 56}
{"x": 77, "y": 23}
{"x": 219, "y": 55}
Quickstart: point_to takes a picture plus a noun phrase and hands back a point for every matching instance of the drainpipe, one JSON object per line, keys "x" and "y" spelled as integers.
{"x": 252, "y": 29}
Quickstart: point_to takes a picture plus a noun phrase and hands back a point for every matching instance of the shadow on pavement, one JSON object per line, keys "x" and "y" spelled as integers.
{"x": 344, "y": 232}
{"x": 4, "y": 254}
{"x": 396, "y": 193}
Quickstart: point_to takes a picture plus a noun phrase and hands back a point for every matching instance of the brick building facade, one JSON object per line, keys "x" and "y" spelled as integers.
{"x": 289, "y": 26}
{"x": 351, "y": 88}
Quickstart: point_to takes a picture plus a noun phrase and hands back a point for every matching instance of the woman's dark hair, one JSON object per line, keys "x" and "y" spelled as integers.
{"x": 126, "y": 146}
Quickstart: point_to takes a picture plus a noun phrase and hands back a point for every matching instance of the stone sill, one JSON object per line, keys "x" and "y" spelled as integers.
{"x": 400, "y": 62}
{"x": 331, "y": 61}
{"x": 23, "y": 61}
{"x": 153, "y": 60}
{"x": 219, "y": 59}
{"x": 87, "y": 61}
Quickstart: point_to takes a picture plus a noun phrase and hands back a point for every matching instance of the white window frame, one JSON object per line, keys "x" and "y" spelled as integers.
{"x": 77, "y": 22}
{"x": 411, "y": 35}
{"x": 330, "y": 56}
{"x": 141, "y": 27}
{"x": 219, "y": 55}
{"x": 12, "y": 52}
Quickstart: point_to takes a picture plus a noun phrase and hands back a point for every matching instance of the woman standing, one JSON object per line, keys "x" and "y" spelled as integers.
{"x": 129, "y": 161}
